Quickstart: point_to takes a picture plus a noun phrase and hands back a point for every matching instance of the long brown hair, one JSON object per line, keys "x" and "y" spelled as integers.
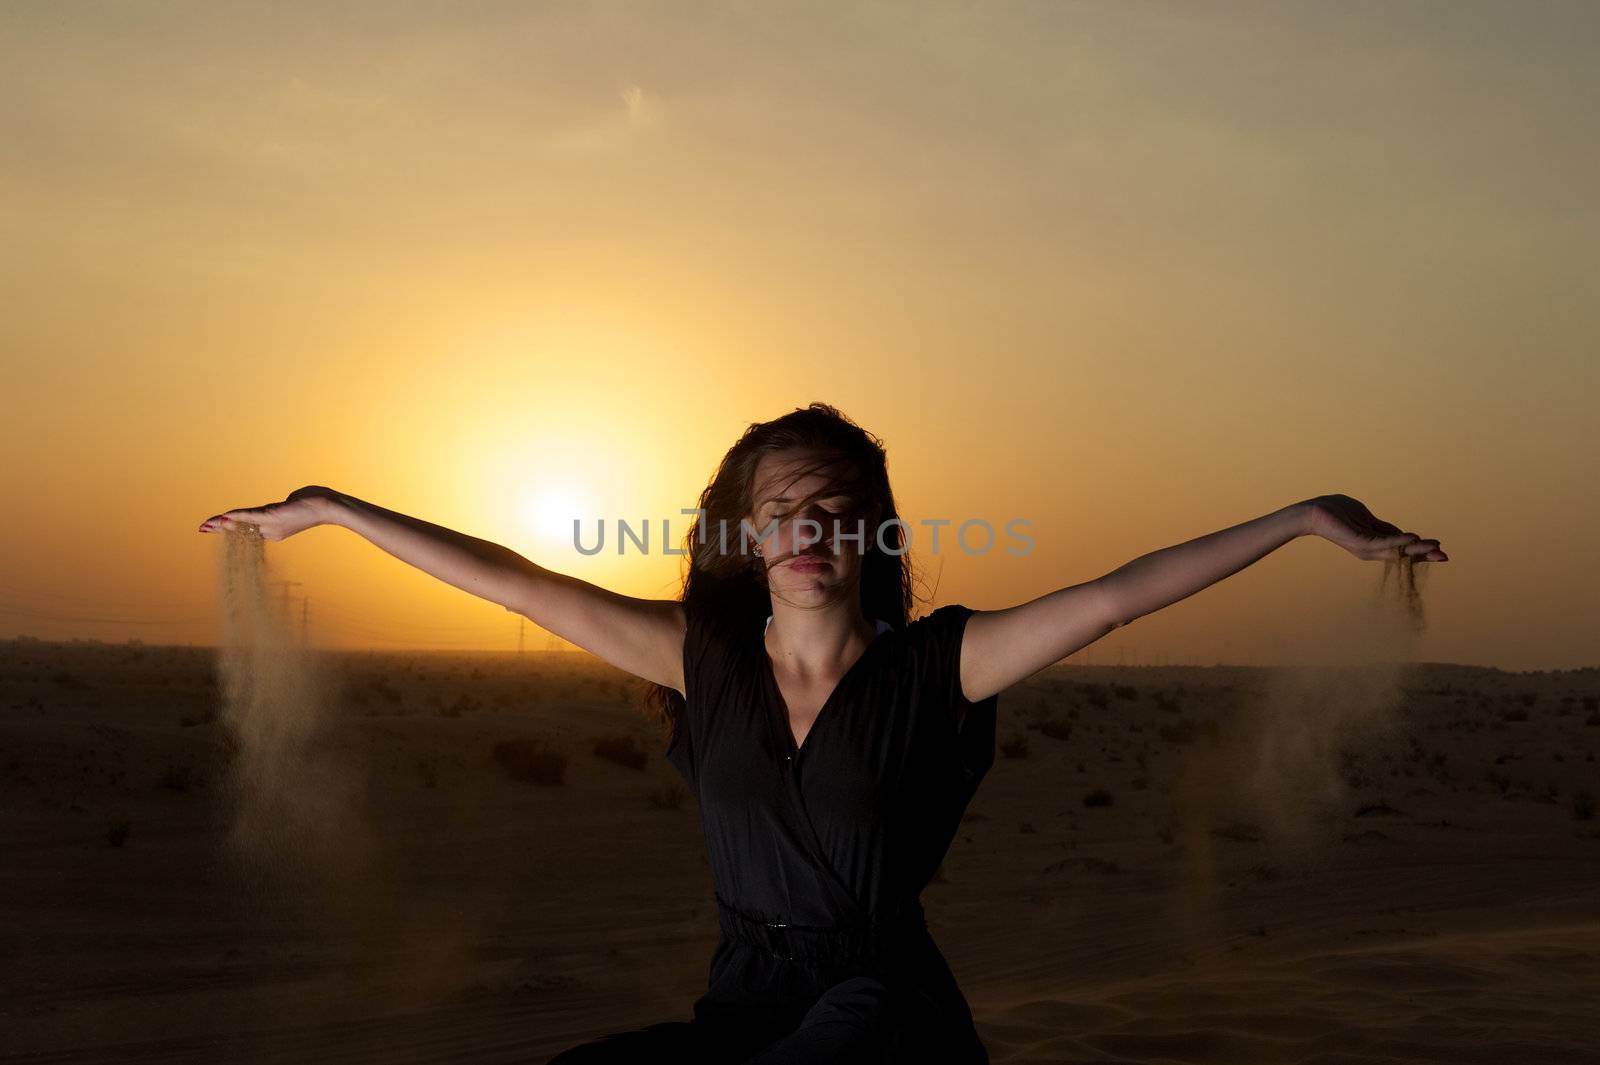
{"x": 732, "y": 583}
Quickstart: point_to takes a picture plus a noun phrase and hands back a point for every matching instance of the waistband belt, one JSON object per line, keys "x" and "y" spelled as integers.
{"x": 846, "y": 944}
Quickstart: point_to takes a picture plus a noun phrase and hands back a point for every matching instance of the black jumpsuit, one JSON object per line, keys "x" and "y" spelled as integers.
{"x": 839, "y": 835}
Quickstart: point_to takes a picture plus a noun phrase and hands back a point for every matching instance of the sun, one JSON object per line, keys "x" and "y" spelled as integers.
{"x": 548, "y": 510}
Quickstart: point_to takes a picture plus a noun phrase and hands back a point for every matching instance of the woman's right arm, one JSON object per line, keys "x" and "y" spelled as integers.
{"x": 640, "y": 636}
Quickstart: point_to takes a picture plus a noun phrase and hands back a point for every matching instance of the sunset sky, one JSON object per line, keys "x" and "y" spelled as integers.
{"x": 1131, "y": 272}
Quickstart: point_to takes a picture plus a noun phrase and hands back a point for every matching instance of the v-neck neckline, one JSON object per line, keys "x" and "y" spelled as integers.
{"x": 780, "y": 710}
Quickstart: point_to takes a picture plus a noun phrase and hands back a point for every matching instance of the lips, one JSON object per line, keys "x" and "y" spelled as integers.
{"x": 808, "y": 562}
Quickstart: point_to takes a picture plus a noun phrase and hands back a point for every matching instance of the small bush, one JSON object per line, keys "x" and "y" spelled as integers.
{"x": 1015, "y": 747}
{"x": 1238, "y": 832}
{"x": 1099, "y": 797}
{"x": 1087, "y": 863}
{"x": 1265, "y": 872}
{"x": 117, "y": 833}
{"x": 179, "y": 778}
{"x": 1515, "y": 713}
{"x": 531, "y": 761}
{"x": 1180, "y": 732}
{"x": 623, "y": 750}
{"x": 1582, "y": 805}
{"x": 670, "y": 796}
{"x": 1057, "y": 728}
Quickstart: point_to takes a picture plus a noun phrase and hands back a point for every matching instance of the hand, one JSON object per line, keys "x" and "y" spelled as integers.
{"x": 305, "y": 508}
{"x": 1348, "y": 523}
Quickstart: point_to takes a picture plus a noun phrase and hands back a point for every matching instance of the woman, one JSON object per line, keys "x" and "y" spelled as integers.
{"x": 832, "y": 742}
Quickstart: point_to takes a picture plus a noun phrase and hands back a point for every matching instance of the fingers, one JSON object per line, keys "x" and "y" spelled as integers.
{"x": 1423, "y": 551}
{"x": 231, "y": 519}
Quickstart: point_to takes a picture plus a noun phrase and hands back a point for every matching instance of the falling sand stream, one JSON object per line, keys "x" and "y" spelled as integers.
{"x": 316, "y": 861}
{"x": 1289, "y": 755}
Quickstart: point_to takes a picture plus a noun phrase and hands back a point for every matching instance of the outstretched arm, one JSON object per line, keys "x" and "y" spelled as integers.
{"x": 1001, "y": 647}
{"x": 640, "y": 636}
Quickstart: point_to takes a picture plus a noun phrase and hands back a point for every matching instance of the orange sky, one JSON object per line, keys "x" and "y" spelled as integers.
{"x": 1134, "y": 273}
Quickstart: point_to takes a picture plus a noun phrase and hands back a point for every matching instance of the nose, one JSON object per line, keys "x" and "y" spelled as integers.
{"x": 796, "y": 535}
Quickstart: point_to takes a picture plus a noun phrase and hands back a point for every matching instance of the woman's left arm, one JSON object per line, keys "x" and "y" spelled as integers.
{"x": 1001, "y": 647}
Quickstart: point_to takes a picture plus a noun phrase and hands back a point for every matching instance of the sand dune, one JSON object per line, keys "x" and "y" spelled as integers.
{"x": 1125, "y": 890}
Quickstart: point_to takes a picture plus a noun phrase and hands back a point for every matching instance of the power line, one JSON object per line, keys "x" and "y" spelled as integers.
{"x": 12, "y": 591}
{"x": 88, "y": 619}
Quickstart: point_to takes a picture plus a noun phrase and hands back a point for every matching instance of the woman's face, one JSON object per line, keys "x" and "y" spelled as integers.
{"x": 807, "y": 564}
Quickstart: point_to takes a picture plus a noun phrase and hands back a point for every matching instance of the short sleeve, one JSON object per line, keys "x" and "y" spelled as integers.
{"x": 972, "y": 724}
{"x": 698, "y": 649}
{"x": 696, "y": 641}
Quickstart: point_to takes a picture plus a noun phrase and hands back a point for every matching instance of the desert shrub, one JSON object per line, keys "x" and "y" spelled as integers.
{"x": 385, "y": 691}
{"x": 623, "y": 750}
{"x": 1086, "y": 863}
{"x": 1238, "y": 832}
{"x": 179, "y": 777}
{"x": 1178, "y": 732}
{"x": 1015, "y": 747}
{"x": 1583, "y": 805}
{"x": 117, "y": 833}
{"x": 1167, "y": 703}
{"x": 1099, "y": 797}
{"x": 1125, "y": 691}
{"x": 1096, "y": 695}
{"x": 531, "y": 761}
{"x": 669, "y": 796}
{"x": 1515, "y": 713}
{"x": 428, "y": 773}
{"x": 1265, "y": 872}
{"x": 1056, "y": 728}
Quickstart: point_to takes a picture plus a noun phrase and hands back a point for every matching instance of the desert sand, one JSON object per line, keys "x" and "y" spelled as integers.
{"x": 1162, "y": 866}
